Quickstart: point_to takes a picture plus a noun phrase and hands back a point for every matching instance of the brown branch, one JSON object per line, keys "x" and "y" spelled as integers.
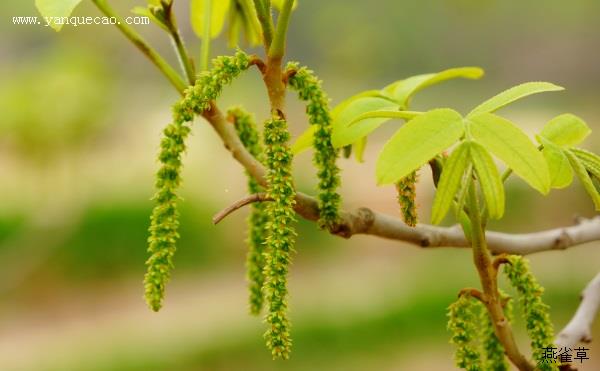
{"x": 369, "y": 222}
{"x": 257, "y": 197}
{"x": 473, "y": 293}
{"x": 580, "y": 326}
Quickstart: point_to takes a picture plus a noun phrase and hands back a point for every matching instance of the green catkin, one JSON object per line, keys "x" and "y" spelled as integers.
{"x": 493, "y": 350}
{"x": 164, "y": 221}
{"x": 535, "y": 312}
{"x": 407, "y": 194}
{"x": 255, "y": 261}
{"x": 309, "y": 90}
{"x": 461, "y": 323}
{"x": 281, "y": 234}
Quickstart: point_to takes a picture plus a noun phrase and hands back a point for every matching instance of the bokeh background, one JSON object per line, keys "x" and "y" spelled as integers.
{"x": 81, "y": 115}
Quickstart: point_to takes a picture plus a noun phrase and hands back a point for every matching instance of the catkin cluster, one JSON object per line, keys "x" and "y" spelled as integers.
{"x": 309, "y": 90}
{"x": 539, "y": 326}
{"x": 461, "y": 323}
{"x": 281, "y": 234}
{"x": 164, "y": 221}
{"x": 407, "y": 194}
{"x": 255, "y": 261}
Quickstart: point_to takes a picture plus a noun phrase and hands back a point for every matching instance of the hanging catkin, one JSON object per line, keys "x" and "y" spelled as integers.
{"x": 255, "y": 261}
{"x": 164, "y": 221}
{"x": 309, "y": 90}
{"x": 281, "y": 234}
{"x": 407, "y": 194}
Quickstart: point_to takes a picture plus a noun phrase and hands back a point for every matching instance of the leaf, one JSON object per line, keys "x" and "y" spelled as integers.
{"x": 403, "y": 90}
{"x": 305, "y": 140}
{"x": 407, "y": 115}
{"x": 489, "y": 179}
{"x": 513, "y": 94}
{"x": 343, "y": 134}
{"x": 56, "y": 8}
{"x": 507, "y": 141}
{"x": 368, "y": 93}
{"x": 566, "y": 130}
{"x": 584, "y": 177}
{"x": 450, "y": 181}
{"x": 417, "y": 142}
{"x": 590, "y": 160}
{"x": 561, "y": 173}
{"x": 218, "y": 9}
{"x": 359, "y": 149}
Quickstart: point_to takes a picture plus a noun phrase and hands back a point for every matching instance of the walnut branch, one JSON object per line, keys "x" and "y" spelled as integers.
{"x": 580, "y": 326}
{"x": 369, "y": 222}
{"x": 257, "y": 197}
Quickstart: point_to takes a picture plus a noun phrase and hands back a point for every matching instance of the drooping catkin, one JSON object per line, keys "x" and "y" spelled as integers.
{"x": 309, "y": 90}
{"x": 535, "y": 312}
{"x": 493, "y": 351}
{"x": 257, "y": 221}
{"x": 461, "y": 323}
{"x": 281, "y": 234}
{"x": 407, "y": 194}
{"x": 164, "y": 221}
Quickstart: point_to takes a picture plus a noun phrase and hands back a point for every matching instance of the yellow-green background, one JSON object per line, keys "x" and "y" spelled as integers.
{"x": 80, "y": 119}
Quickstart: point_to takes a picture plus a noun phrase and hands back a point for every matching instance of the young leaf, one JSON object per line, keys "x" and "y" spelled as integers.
{"x": 305, "y": 140}
{"x": 218, "y": 14}
{"x": 56, "y": 8}
{"x": 561, "y": 173}
{"x": 590, "y": 160}
{"x": 583, "y": 175}
{"x": 359, "y": 149}
{"x": 566, "y": 130}
{"x": 513, "y": 94}
{"x": 417, "y": 142}
{"x": 278, "y": 4}
{"x": 489, "y": 179}
{"x": 507, "y": 141}
{"x": 145, "y": 12}
{"x": 406, "y": 115}
{"x": 450, "y": 180}
{"x": 335, "y": 111}
{"x": 343, "y": 134}
{"x": 403, "y": 90}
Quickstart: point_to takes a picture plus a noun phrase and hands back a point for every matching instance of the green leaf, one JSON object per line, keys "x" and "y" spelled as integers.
{"x": 417, "y": 142}
{"x": 218, "y": 14}
{"x": 368, "y": 93}
{"x": 561, "y": 173}
{"x": 489, "y": 179}
{"x": 450, "y": 181}
{"x": 403, "y": 90}
{"x": 406, "y": 115}
{"x": 359, "y": 149}
{"x": 584, "y": 177}
{"x": 513, "y": 94}
{"x": 305, "y": 140}
{"x": 507, "y": 141}
{"x": 56, "y": 8}
{"x": 566, "y": 130}
{"x": 344, "y": 134}
{"x": 590, "y": 160}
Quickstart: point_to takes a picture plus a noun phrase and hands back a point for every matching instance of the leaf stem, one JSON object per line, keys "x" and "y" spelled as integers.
{"x": 205, "y": 52}
{"x": 487, "y": 276}
{"x": 187, "y": 64}
{"x": 277, "y": 48}
{"x": 141, "y": 44}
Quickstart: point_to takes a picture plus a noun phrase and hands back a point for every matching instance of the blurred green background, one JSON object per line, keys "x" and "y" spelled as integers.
{"x": 81, "y": 115}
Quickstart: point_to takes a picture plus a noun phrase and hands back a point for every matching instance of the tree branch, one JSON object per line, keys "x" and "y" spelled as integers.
{"x": 580, "y": 326}
{"x": 366, "y": 221}
{"x": 257, "y": 197}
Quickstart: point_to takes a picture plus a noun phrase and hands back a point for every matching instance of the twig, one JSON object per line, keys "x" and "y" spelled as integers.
{"x": 257, "y": 197}
{"x": 473, "y": 293}
{"x": 580, "y": 326}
